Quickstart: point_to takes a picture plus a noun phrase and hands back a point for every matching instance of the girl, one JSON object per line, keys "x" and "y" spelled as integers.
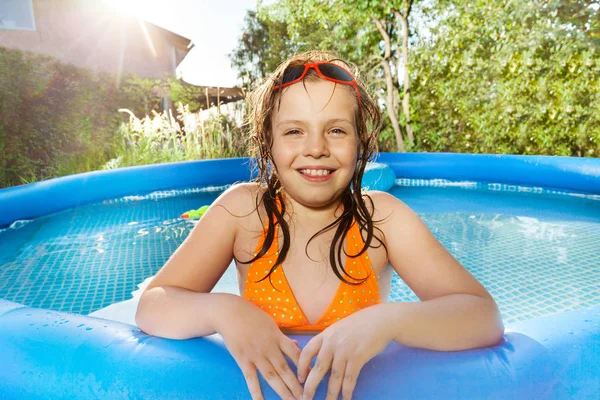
{"x": 313, "y": 252}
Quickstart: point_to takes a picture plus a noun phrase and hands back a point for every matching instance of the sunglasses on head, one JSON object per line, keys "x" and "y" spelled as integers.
{"x": 328, "y": 71}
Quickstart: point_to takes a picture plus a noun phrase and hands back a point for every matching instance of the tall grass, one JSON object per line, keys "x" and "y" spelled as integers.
{"x": 162, "y": 137}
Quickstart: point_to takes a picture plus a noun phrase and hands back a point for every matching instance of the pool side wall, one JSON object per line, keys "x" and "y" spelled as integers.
{"x": 49, "y": 354}
{"x": 32, "y": 200}
{"x": 567, "y": 173}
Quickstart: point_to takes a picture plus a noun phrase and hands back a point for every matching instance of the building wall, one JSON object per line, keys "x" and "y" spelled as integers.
{"x": 95, "y": 35}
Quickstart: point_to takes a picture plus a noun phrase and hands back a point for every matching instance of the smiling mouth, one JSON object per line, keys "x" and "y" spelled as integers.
{"x": 316, "y": 172}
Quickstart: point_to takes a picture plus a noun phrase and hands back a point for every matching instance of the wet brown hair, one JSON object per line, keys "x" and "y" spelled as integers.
{"x": 262, "y": 102}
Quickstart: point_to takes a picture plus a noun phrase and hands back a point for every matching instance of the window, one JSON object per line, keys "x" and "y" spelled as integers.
{"x": 17, "y": 14}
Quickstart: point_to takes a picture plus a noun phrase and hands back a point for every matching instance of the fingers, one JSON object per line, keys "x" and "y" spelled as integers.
{"x": 269, "y": 372}
{"x": 252, "y": 382}
{"x": 287, "y": 375}
{"x": 309, "y": 352}
{"x": 338, "y": 369}
{"x": 349, "y": 382}
{"x": 274, "y": 368}
{"x": 322, "y": 364}
{"x": 290, "y": 348}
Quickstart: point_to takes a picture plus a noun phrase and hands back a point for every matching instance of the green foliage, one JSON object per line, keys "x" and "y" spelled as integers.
{"x": 183, "y": 93}
{"x": 141, "y": 94}
{"x": 510, "y": 76}
{"x": 57, "y": 119}
{"x": 349, "y": 29}
{"x": 51, "y": 115}
{"x": 264, "y": 44}
{"x": 272, "y": 35}
{"x": 342, "y": 27}
{"x": 580, "y": 14}
{"x": 506, "y": 77}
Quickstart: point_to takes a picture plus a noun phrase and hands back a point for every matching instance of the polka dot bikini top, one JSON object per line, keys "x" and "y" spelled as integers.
{"x": 278, "y": 299}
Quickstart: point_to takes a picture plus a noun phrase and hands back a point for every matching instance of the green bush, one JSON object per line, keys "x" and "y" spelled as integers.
{"x": 511, "y": 76}
{"x": 507, "y": 78}
{"x": 57, "y": 119}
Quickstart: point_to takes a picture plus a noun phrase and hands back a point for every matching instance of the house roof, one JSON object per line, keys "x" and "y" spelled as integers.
{"x": 96, "y": 35}
{"x": 179, "y": 41}
{"x": 218, "y": 94}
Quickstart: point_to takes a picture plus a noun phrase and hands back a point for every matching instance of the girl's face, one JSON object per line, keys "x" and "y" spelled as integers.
{"x": 315, "y": 142}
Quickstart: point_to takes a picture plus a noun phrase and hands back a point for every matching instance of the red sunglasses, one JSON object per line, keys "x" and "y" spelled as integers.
{"x": 328, "y": 71}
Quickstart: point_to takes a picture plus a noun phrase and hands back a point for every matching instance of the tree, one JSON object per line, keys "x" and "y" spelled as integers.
{"x": 388, "y": 18}
{"x": 267, "y": 42}
{"x": 260, "y": 49}
{"x": 581, "y": 14}
{"x": 508, "y": 77}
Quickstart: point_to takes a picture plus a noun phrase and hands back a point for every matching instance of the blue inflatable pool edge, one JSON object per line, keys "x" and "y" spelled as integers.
{"x": 46, "y": 354}
{"x": 31, "y": 201}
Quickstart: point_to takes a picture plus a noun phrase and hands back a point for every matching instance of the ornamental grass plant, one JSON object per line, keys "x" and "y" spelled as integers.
{"x": 164, "y": 137}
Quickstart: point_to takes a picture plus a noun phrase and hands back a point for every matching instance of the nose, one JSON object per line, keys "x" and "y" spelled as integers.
{"x": 316, "y": 146}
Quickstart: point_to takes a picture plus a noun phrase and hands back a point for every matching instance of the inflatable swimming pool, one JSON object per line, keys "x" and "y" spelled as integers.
{"x": 51, "y": 354}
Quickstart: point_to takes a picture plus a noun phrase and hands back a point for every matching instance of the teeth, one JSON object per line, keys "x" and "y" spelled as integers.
{"x": 315, "y": 172}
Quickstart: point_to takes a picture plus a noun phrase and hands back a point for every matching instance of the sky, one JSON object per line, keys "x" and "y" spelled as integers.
{"x": 214, "y": 27}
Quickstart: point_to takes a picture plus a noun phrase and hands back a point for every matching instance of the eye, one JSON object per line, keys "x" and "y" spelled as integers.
{"x": 293, "y": 132}
{"x": 337, "y": 131}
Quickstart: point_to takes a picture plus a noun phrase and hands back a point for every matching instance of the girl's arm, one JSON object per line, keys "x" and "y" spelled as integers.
{"x": 455, "y": 312}
{"x": 177, "y": 303}
{"x": 176, "y": 313}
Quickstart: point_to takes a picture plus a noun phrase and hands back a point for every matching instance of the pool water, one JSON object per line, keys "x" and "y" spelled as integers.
{"x": 536, "y": 251}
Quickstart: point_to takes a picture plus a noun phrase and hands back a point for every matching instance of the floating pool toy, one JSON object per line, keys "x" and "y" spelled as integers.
{"x": 195, "y": 214}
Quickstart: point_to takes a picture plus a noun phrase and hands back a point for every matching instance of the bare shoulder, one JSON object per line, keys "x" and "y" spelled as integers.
{"x": 387, "y": 208}
{"x": 241, "y": 198}
{"x": 207, "y": 251}
{"x": 395, "y": 219}
{"x": 242, "y": 203}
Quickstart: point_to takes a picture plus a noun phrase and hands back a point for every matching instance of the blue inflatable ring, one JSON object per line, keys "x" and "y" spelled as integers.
{"x": 55, "y": 355}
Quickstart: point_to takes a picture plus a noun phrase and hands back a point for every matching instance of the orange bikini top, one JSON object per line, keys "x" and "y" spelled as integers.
{"x": 277, "y": 299}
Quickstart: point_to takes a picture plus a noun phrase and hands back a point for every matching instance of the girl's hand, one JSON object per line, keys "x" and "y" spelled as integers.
{"x": 255, "y": 342}
{"x": 344, "y": 347}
